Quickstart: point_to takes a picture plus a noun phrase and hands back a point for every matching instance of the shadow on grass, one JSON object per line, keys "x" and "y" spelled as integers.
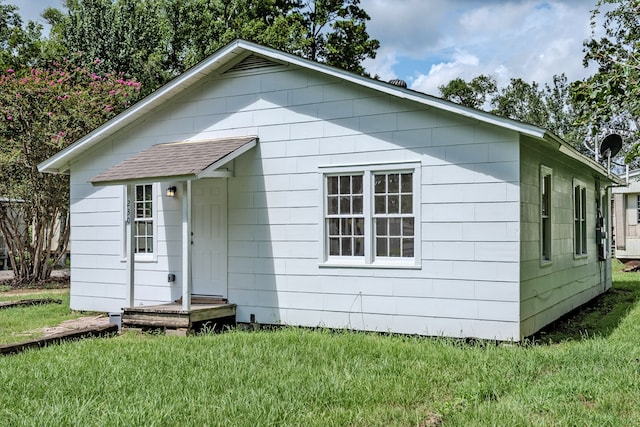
{"x": 598, "y": 317}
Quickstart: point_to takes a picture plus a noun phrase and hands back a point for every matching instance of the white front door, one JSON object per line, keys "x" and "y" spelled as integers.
{"x": 209, "y": 228}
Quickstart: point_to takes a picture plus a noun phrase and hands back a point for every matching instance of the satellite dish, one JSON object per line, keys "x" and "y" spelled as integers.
{"x": 611, "y": 145}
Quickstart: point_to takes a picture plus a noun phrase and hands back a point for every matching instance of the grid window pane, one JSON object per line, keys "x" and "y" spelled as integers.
{"x": 344, "y": 219}
{"x": 380, "y": 204}
{"x": 358, "y": 246}
{"x": 406, "y": 180}
{"x": 407, "y": 226}
{"x": 406, "y": 203}
{"x": 345, "y": 227}
{"x": 332, "y": 185}
{"x": 380, "y": 184}
{"x": 393, "y": 183}
{"x": 345, "y": 185}
{"x": 390, "y": 205}
{"x": 394, "y": 247}
{"x": 356, "y": 184}
{"x": 393, "y": 204}
{"x": 143, "y": 220}
{"x": 545, "y": 216}
{"x": 393, "y": 212}
{"x": 407, "y": 247}
{"x": 332, "y": 205}
{"x": 358, "y": 206}
{"x": 346, "y": 246}
{"x": 334, "y": 246}
{"x": 359, "y": 227}
{"x": 345, "y": 204}
{"x": 580, "y": 219}
{"x": 394, "y": 226}
{"x": 334, "y": 226}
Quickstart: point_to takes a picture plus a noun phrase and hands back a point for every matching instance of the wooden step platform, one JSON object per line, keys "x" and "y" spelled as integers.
{"x": 172, "y": 316}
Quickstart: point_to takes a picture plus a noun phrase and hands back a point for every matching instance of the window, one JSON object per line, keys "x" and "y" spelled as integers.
{"x": 345, "y": 215}
{"x": 393, "y": 214}
{"x": 370, "y": 216}
{"x": 545, "y": 214}
{"x": 638, "y": 207}
{"x": 140, "y": 211}
{"x": 580, "y": 219}
{"x": 143, "y": 219}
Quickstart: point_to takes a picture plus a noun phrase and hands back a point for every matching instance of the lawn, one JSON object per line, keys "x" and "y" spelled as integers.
{"x": 585, "y": 371}
{"x": 22, "y": 323}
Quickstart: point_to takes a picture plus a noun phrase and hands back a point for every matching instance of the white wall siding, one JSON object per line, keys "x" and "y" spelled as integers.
{"x": 284, "y": 282}
{"x": 627, "y": 227}
{"x": 98, "y": 268}
{"x": 550, "y": 290}
{"x": 466, "y": 283}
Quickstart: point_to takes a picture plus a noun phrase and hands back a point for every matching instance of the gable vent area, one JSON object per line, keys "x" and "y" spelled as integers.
{"x": 252, "y": 62}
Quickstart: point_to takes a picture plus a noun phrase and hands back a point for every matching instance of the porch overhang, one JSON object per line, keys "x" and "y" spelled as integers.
{"x": 177, "y": 161}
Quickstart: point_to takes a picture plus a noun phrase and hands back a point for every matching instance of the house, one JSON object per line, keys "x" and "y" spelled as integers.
{"x": 307, "y": 195}
{"x": 626, "y": 216}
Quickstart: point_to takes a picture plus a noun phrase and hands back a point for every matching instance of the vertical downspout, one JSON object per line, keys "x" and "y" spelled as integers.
{"x": 186, "y": 245}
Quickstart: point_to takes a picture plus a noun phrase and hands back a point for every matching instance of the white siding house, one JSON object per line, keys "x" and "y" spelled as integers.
{"x": 626, "y": 215}
{"x": 335, "y": 200}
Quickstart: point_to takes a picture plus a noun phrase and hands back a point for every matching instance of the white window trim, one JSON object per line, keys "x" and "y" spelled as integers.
{"x": 578, "y": 183}
{"x": 369, "y": 260}
{"x": 545, "y": 170}
{"x": 140, "y": 257}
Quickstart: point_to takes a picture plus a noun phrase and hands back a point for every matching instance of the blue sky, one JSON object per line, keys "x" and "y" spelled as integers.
{"x": 430, "y": 42}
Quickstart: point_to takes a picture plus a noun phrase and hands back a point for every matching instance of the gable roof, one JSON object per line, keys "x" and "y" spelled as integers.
{"x": 176, "y": 160}
{"x": 235, "y": 52}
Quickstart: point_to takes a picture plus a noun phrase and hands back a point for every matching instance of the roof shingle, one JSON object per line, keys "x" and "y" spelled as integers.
{"x": 185, "y": 160}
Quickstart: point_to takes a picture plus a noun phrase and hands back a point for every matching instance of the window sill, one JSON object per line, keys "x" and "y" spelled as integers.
{"x": 545, "y": 263}
{"x": 580, "y": 257}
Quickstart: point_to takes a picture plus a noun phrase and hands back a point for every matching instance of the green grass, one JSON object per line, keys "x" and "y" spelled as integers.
{"x": 21, "y": 323}
{"x": 292, "y": 376}
{"x": 602, "y": 315}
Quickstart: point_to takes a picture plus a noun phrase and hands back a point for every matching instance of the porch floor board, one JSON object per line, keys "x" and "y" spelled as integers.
{"x": 172, "y": 316}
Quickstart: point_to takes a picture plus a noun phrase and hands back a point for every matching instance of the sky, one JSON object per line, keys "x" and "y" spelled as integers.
{"x": 428, "y": 43}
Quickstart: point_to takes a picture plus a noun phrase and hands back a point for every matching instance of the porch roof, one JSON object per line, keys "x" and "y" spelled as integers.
{"x": 186, "y": 160}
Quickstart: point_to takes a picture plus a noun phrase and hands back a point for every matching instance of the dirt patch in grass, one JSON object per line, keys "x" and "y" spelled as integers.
{"x": 598, "y": 317}
{"x": 59, "y": 279}
{"x": 29, "y": 291}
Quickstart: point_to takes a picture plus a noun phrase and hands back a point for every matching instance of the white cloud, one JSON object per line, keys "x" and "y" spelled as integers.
{"x": 428, "y": 42}
{"x": 464, "y": 65}
{"x": 382, "y": 66}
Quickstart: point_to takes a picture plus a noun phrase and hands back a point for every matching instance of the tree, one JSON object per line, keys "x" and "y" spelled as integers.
{"x": 550, "y": 107}
{"x": 609, "y": 101}
{"x": 19, "y": 46}
{"x": 475, "y": 94}
{"x": 155, "y": 40}
{"x": 336, "y": 33}
{"x": 41, "y": 112}
{"x": 125, "y": 35}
